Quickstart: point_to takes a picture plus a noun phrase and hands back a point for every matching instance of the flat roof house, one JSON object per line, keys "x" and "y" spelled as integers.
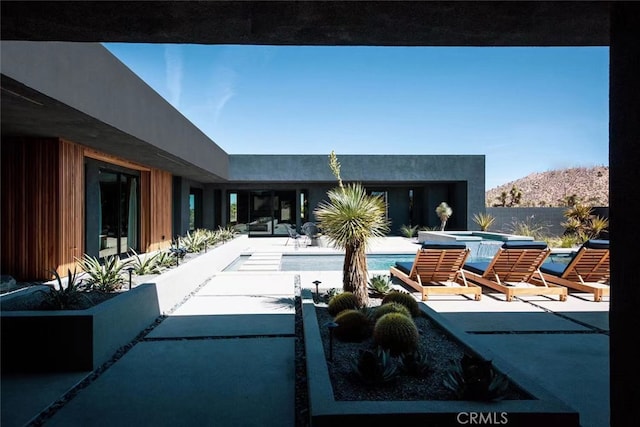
{"x": 94, "y": 161}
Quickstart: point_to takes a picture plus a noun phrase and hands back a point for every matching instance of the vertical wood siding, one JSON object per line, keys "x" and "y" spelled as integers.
{"x": 42, "y": 215}
{"x": 160, "y": 209}
{"x": 71, "y": 209}
{"x": 30, "y": 207}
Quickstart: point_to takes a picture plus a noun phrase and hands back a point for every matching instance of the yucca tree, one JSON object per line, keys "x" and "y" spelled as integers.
{"x": 444, "y": 212}
{"x": 349, "y": 220}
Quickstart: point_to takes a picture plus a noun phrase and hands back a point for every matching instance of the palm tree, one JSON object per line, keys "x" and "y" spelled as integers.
{"x": 444, "y": 212}
{"x": 350, "y": 219}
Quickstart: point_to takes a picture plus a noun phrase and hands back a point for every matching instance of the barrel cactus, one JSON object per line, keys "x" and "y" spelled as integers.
{"x": 340, "y": 302}
{"x": 405, "y": 299}
{"x": 397, "y": 333}
{"x": 353, "y": 325}
{"x": 392, "y": 307}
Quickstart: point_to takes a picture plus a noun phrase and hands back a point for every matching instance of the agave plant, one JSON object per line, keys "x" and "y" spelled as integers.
{"x": 374, "y": 367}
{"x": 68, "y": 297}
{"x": 408, "y": 231}
{"x": 484, "y": 220}
{"x": 379, "y": 286}
{"x": 104, "y": 277}
{"x": 149, "y": 264}
{"x": 473, "y": 378}
{"x": 196, "y": 241}
{"x": 415, "y": 363}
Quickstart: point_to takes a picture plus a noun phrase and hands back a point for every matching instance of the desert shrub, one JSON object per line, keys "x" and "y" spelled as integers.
{"x": 353, "y": 325}
{"x": 397, "y": 333}
{"x": 472, "y": 378}
{"x": 342, "y": 301}
{"x": 415, "y": 363}
{"x": 149, "y": 264}
{"x": 405, "y": 299}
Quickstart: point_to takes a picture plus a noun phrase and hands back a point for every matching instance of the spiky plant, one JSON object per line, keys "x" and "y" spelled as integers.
{"x": 379, "y": 286}
{"x": 408, "y": 231}
{"x": 444, "y": 212}
{"x": 340, "y": 302}
{"x": 405, "y": 299}
{"x": 149, "y": 264}
{"x": 349, "y": 220}
{"x": 374, "y": 367}
{"x": 397, "y": 333}
{"x": 484, "y": 220}
{"x": 67, "y": 297}
{"x": 472, "y": 378}
{"x": 105, "y": 277}
{"x": 416, "y": 363}
{"x": 391, "y": 307}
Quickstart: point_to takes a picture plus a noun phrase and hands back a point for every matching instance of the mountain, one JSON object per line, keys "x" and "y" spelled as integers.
{"x": 551, "y": 188}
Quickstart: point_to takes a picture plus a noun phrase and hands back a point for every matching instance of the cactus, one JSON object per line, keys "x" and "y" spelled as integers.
{"x": 405, "y": 299}
{"x": 353, "y": 325}
{"x": 374, "y": 367}
{"x": 392, "y": 307}
{"x": 397, "y": 333}
{"x": 340, "y": 302}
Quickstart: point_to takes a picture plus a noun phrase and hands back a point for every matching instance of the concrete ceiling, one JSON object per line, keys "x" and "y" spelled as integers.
{"x": 384, "y": 23}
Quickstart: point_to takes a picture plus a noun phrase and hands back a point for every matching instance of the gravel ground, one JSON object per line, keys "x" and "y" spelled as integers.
{"x": 440, "y": 347}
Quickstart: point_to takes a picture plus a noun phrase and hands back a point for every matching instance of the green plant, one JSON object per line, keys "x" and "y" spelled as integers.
{"x": 483, "y": 220}
{"x": 444, "y": 212}
{"x": 149, "y": 264}
{"x": 397, "y": 333}
{"x": 353, "y": 325}
{"x": 473, "y": 378}
{"x": 528, "y": 227}
{"x": 330, "y": 293}
{"x": 107, "y": 277}
{"x": 408, "y": 231}
{"x": 68, "y": 297}
{"x": 374, "y": 367}
{"x": 350, "y": 219}
{"x": 342, "y": 301}
{"x": 195, "y": 242}
{"x": 597, "y": 225}
{"x": 405, "y": 299}
{"x": 379, "y": 286}
{"x": 415, "y": 363}
{"x": 391, "y": 307}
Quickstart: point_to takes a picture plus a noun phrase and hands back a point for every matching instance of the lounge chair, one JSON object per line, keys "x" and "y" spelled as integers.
{"x": 515, "y": 270}
{"x": 437, "y": 269}
{"x": 587, "y": 271}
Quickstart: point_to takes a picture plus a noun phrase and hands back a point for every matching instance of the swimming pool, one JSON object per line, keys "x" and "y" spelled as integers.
{"x": 333, "y": 262}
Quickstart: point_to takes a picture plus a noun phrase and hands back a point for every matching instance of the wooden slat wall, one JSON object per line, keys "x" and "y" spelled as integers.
{"x": 42, "y": 215}
{"x": 160, "y": 210}
{"x": 71, "y": 208}
{"x": 30, "y": 207}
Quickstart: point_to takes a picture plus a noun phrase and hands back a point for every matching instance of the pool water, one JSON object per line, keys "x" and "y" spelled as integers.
{"x": 322, "y": 262}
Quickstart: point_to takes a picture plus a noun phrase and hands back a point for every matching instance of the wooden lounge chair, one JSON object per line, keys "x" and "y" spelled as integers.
{"x": 588, "y": 270}
{"x": 512, "y": 271}
{"x": 437, "y": 269}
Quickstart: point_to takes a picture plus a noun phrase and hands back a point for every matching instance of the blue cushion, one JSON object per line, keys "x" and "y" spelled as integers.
{"x": 443, "y": 245}
{"x": 476, "y": 267}
{"x": 553, "y": 268}
{"x": 596, "y": 244}
{"x": 404, "y": 266}
{"x": 524, "y": 244}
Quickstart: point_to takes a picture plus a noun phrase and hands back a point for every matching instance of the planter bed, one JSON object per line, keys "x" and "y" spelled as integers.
{"x": 536, "y": 407}
{"x": 82, "y": 340}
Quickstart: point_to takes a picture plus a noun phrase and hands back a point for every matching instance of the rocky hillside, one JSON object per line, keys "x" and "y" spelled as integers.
{"x": 551, "y": 188}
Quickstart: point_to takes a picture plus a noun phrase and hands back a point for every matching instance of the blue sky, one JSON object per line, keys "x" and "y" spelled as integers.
{"x": 526, "y": 109}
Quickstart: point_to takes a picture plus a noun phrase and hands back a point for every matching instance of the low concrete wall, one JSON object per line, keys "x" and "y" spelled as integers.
{"x": 548, "y": 218}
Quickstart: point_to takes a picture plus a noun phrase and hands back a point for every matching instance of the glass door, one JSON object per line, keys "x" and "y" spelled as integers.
{"x": 119, "y": 213}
